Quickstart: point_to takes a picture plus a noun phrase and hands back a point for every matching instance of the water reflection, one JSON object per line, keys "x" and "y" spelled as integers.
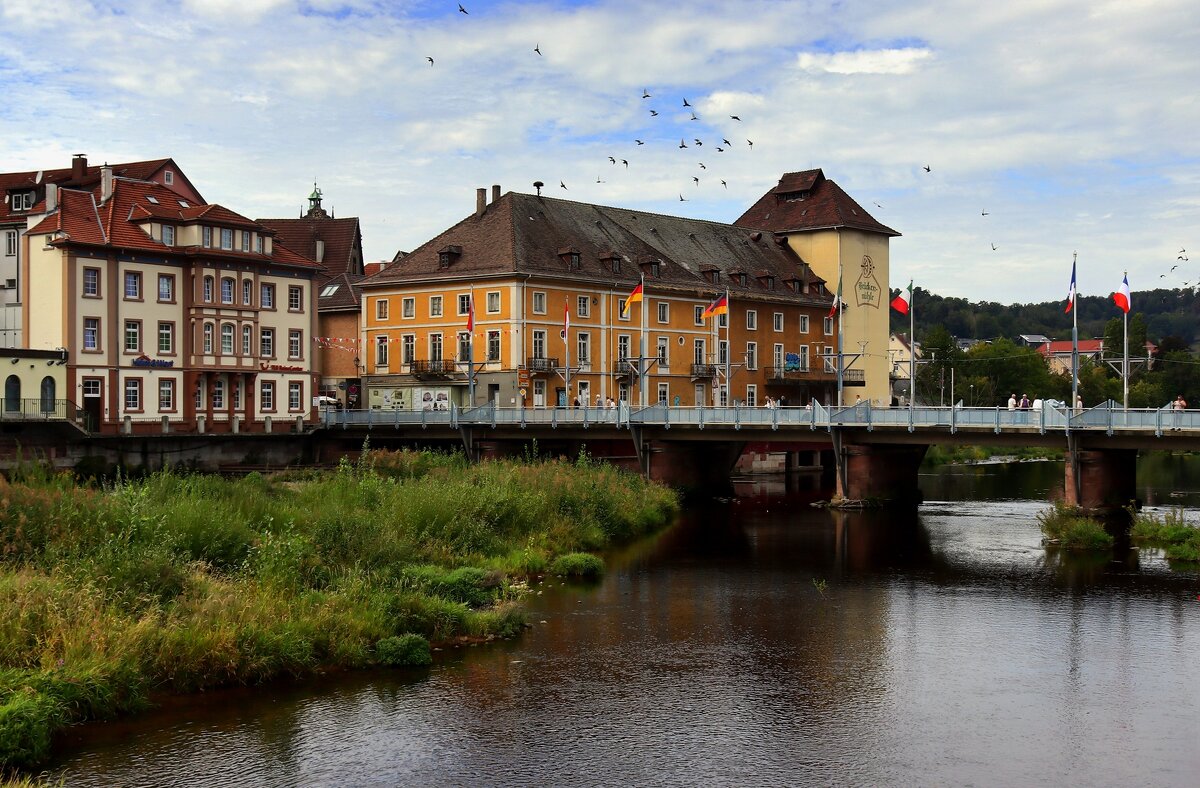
{"x": 759, "y": 641}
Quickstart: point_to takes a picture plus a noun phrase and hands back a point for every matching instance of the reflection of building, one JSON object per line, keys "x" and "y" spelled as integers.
{"x": 176, "y": 315}
{"x": 23, "y": 203}
{"x": 527, "y": 263}
{"x": 833, "y": 234}
{"x": 337, "y": 245}
{"x": 901, "y": 353}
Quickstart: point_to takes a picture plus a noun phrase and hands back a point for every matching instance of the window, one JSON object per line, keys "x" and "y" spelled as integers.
{"x": 91, "y": 282}
{"x": 168, "y": 177}
{"x": 381, "y": 309}
{"x": 804, "y": 358}
{"x": 408, "y": 345}
{"x": 655, "y": 268}
{"x": 751, "y": 320}
{"x": 206, "y": 237}
{"x": 168, "y": 235}
{"x": 91, "y": 388}
{"x": 266, "y": 342}
{"x": 208, "y": 339}
{"x": 245, "y": 240}
{"x": 258, "y": 244}
{"x": 166, "y": 394}
{"x": 435, "y": 347}
{"x": 247, "y": 288}
{"x": 22, "y": 201}
{"x": 723, "y": 320}
{"x": 328, "y": 290}
{"x": 830, "y": 366}
{"x": 464, "y": 346}
{"x": 723, "y": 351}
{"x": 166, "y": 338}
{"x": 664, "y": 392}
{"x": 663, "y": 347}
{"x": 381, "y": 350}
{"x": 539, "y": 303}
{"x": 295, "y": 343}
{"x": 777, "y": 321}
{"x": 218, "y": 394}
{"x": 247, "y": 339}
{"x": 435, "y": 306}
{"x": 91, "y": 333}
{"x": 295, "y": 392}
{"x": 207, "y": 294}
{"x": 803, "y": 324}
{"x": 226, "y": 238}
{"x": 778, "y": 357}
{"x": 464, "y": 303}
{"x": 237, "y": 395}
{"x": 583, "y": 306}
{"x": 166, "y": 287}
{"x": 295, "y": 298}
{"x": 698, "y": 315}
{"x": 266, "y": 296}
{"x": 622, "y": 348}
{"x": 10, "y": 243}
{"x": 266, "y": 395}
{"x": 539, "y": 344}
{"x": 828, "y": 326}
{"x": 226, "y": 290}
{"x": 585, "y": 346}
{"x": 493, "y": 346}
{"x": 493, "y": 302}
{"x": 133, "y": 394}
{"x": 751, "y": 355}
{"x": 664, "y": 312}
{"x": 575, "y": 260}
{"x": 227, "y": 339}
{"x": 616, "y": 265}
{"x": 623, "y": 310}
{"x": 199, "y": 395}
{"x": 133, "y": 336}
{"x": 408, "y": 308}
{"x": 751, "y": 396}
{"x": 698, "y": 356}
{"x": 133, "y": 285}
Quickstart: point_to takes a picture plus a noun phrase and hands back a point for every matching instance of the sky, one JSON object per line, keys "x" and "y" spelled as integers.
{"x": 1048, "y": 128}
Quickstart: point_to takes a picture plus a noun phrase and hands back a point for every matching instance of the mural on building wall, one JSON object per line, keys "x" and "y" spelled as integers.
{"x": 867, "y": 290}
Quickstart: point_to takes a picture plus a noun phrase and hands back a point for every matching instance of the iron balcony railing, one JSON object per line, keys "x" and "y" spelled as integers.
{"x": 541, "y": 364}
{"x": 436, "y": 366}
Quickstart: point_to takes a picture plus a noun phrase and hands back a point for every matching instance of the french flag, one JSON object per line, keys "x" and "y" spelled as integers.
{"x": 1121, "y": 297}
{"x": 1071, "y": 292}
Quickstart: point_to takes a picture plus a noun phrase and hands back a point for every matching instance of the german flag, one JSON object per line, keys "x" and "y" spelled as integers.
{"x": 718, "y": 307}
{"x": 634, "y": 298}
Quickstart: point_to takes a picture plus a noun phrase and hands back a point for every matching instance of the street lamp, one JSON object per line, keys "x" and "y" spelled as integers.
{"x": 971, "y": 399}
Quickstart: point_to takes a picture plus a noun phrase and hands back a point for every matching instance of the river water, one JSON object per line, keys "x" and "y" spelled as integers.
{"x": 761, "y": 642}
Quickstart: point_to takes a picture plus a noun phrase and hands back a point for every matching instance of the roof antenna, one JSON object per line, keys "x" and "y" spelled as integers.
{"x": 538, "y": 185}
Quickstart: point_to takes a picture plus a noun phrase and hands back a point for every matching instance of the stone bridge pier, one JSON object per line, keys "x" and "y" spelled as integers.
{"x": 877, "y": 473}
{"x": 1100, "y": 480}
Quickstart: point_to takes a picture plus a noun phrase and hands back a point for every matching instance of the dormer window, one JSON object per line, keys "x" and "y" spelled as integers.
{"x": 571, "y": 257}
{"x": 616, "y": 265}
{"x": 184, "y": 204}
{"x": 742, "y": 278}
{"x": 150, "y": 198}
{"x": 574, "y": 261}
{"x": 22, "y": 201}
{"x": 711, "y": 273}
{"x": 168, "y": 235}
{"x": 447, "y": 255}
{"x": 651, "y": 266}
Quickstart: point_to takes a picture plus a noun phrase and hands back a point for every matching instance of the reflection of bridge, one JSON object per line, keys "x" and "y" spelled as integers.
{"x": 876, "y": 451}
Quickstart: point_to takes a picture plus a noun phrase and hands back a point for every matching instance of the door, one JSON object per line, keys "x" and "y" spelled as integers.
{"x": 93, "y": 402}
{"x": 585, "y": 394}
{"x": 494, "y": 393}
{"x": 700, "y": 397}
{"x": 539, "y": 393}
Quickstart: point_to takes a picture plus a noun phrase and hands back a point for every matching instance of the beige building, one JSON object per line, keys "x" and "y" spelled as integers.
{"x": 841, "y": 242}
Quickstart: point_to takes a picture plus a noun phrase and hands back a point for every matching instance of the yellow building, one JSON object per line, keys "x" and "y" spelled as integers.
{"x": 546, "y": 280}
{"x": 842, "y": 242}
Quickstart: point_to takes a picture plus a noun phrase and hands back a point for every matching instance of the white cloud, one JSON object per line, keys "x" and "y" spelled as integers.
{"x": 864, "y": 61}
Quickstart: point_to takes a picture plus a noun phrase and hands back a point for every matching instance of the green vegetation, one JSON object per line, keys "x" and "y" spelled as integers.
{"x": 1179, "y": 539}
{"x": 956, "y": 455}
{"x": 578, "y": 565}
{"x": 404, "y": 651}
{"x": 1066, "y": 526}
{"x": 177, "y": 583}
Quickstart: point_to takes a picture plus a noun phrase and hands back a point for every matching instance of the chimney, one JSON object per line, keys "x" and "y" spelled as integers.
{"x": 495, "y": 192}
{"x": 480, "y": 202}
{"x": 106, "y": 183}
{"x": 320, "y": 251}
{"x": 78, "y": 166}
{"x": 51, "y": 197}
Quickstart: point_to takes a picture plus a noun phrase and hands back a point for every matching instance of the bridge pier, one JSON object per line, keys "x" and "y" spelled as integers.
{"x": 1100, "y": 480}
{"x": 689, "y": 465}
{"x": 880, "y": 473}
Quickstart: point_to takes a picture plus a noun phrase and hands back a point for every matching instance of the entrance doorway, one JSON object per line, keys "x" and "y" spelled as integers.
{"x": 93, "y": 403}
{"x": 539, "y": 393}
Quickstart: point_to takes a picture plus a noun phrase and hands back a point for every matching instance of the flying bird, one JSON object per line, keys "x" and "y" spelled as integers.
{"x": 681, "y": 198}
{"x": 735, "y": 117}
{"x": 598, "y": 179}
{"x": 985, "y": 213}
{"x": 728, "y": 144}
{"x": 1182, "y": 257}
{"x": 702, "y": 166}
{"x": 694, "y": 116}
{"x": 682, "y": 144}
{"x": 1174, "y": 267}
{"x": 685, "y": 103}
{"x": 993, "y": 247}
{"x": 639, "y": 142}
{"x": 462, "y": 10}
{"x": 430, "y": 60}
{"x": 750, "y": 143}
{"x": 645, "y": 93}
{"x": 653, "y": 113}
{"x": 612, "y": 160}
{"x": 877, "y": 205}
{"x": 926, "y": 168}
{"x": 563, "y": 185}
{"x": 726, "y": 185}
{"x": 697, "y": 180}
{"x": 698, "y": 142}
{"x": 720, "y": 150}
{"x": 626, "y": 163}
{"x": 538, "y": 48}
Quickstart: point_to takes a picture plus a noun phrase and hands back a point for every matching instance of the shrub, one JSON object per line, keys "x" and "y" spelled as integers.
{"x": 1072, "y": 530}
{"x": 406, "y": 650}
{"x": 1179, "y": 539}
{"x": 578, "y": 565}
{"x": 27, "y": 718}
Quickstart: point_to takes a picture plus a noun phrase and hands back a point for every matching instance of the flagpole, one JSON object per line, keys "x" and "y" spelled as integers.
{"x": 642, "y": 344}
{"x": 728, "y": 349}
{"x": 567, "y": 348}
{"x": 912, "y": 351}
{"x": 1074, "y": 334}
{"x": 1125, "y": 362}
{"x": 840, "y": 338}
{"x": 471, "y": 348}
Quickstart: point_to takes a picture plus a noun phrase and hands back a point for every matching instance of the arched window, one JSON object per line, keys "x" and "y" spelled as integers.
{"x": 48, "y": 394}
{"x": 208, "y": 339}
{"x": 12, "y": 393}
{"x": 227, "y": 339}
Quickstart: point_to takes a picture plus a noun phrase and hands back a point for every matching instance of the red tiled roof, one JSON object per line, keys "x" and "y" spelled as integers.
{"x": 345, "y": 297}
{"x": 342, "y": 237}
{"x": 66, "y": 179}
{"x": 1061, "y": 347}
{"x": 809, "y": 201}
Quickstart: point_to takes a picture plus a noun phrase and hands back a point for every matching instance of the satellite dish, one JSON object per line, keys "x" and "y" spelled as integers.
{"x": 38, "y": 177}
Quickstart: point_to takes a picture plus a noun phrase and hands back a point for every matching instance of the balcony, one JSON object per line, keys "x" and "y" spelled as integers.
{"x": 704, "y": 370}
{"x": 541, "y": 365}
{"x": 433, "y": 368}
{"x": 625, "y": 368}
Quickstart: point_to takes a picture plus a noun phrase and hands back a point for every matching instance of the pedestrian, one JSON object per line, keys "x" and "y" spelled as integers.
{"x": 575, "y": 402}
{"x": 781, "y": 402}
{"x": 1025, "y": 404}
{"x": 1179, "y": 406}
{"x": 1012, "y": 401}
{"x": 857, "y": 400}
{"x": 1078, "y": 403}
{"x": 599, "y": 400}
{"x": 612, "y": 405}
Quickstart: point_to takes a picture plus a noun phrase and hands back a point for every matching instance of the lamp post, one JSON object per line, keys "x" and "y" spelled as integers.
{"x": 971, "y": 398}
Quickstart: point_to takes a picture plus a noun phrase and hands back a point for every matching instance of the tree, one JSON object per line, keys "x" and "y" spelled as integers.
{"x": 1008, "y": 369}
{"x": 1114, "y": 337}
{"x": 939, "y": 353}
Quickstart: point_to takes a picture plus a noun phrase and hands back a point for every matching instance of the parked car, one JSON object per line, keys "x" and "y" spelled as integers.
{"x": 328, "y": 403}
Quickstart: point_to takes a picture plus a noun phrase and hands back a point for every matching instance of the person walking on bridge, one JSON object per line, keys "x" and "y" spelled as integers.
{"x": 1012, "y": 401}
{"x": 1179, "y": 406}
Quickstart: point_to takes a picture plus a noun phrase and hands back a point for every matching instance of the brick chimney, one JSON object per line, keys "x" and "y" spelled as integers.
{"x": 51, "y": 197}
{"x": 495, "y": 192}
{"x": 78, "y": 166}
{"x": 480, "y": 202}
{"x": 106, "y": 183}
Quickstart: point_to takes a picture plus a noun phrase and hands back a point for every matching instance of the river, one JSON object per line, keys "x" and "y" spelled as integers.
{"x": 760, "y": 642}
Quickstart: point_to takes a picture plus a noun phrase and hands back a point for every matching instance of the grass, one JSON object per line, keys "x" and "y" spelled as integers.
{"x": 177, "y": 583}
{"x": 1066, "y": 526}
{"x": 584, "y": 565}
{"x": 1179, "y": 539}
{"x": 958, "y": 455}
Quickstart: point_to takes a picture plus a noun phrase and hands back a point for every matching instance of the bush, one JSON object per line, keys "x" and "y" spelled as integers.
{"x": 407, "y": 650}
{"x": 1179, "y": 539}
{"x": 27, "y": 719}
{"x": 1067, "y": 525}
{"x": 578, "y": 565}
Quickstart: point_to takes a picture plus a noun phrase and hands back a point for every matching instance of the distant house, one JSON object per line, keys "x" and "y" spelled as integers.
{"x": 967, "y": 344}
{"x": 1033, "y": 340}
{"x": 1058, "y": 353}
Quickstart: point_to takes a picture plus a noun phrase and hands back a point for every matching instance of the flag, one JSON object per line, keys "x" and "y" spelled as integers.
{"x": 837, "y": 299}
{"x": 900, "y": 303}
{"x": 634, "y": 298}
{"x": 1121, "y": 297}
{"x": 718, "y": 307}
{"x": 470, "y": 313}
{"x": 1071, "y": 292}
{"x": 566, "y": 329}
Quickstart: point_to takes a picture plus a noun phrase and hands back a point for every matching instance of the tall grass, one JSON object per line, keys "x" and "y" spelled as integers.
{"x": 1179, "y": 539}
{"x": 181, "y": 582}
{"x": 1067, "y": 526}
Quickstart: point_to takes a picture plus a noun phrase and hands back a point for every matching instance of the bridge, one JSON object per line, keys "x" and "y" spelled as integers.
{"x": 875, "y": 451}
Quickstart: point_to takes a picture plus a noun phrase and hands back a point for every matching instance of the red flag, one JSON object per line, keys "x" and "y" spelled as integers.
{"x": 471, "y": 313}
{"x": 566, "y": 329}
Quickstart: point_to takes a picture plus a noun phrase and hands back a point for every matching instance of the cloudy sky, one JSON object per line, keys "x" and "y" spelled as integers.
{"x": 1075, "y": 125}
